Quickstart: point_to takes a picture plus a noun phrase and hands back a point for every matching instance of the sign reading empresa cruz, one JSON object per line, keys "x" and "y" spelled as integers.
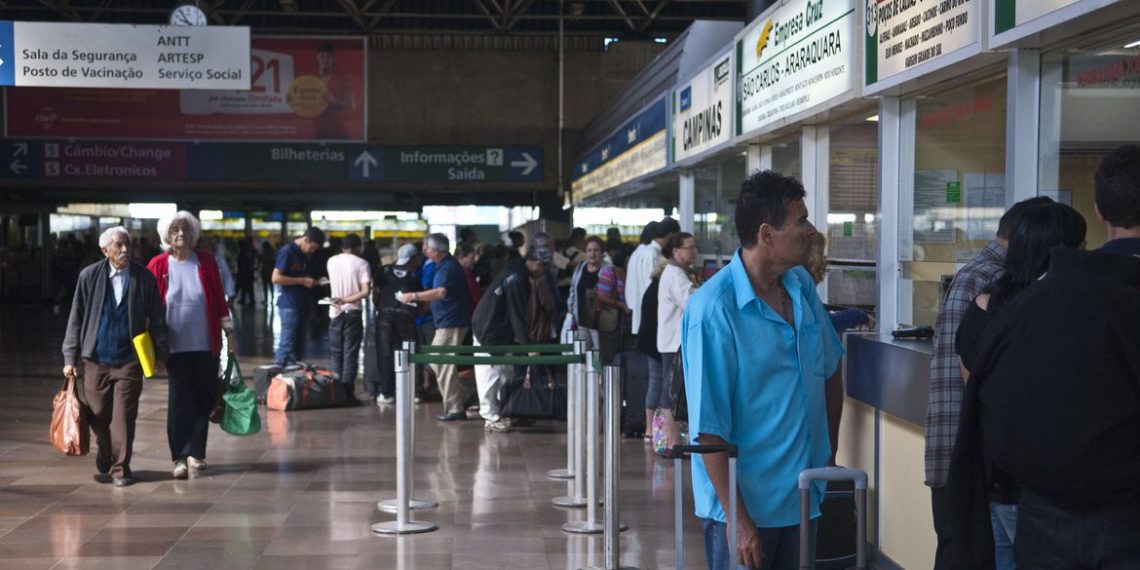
{"x": 902, "y": 34}
{"x": 701, "y": 110}
{"x": 42, "y": 54}
{"x": 796, "y": 58}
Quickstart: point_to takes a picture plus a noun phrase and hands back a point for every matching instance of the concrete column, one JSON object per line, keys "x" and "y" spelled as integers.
{"x": 686, "y": 201}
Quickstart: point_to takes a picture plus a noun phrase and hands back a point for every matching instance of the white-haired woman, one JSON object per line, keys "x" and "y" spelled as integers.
{"x": 196, "y": 316}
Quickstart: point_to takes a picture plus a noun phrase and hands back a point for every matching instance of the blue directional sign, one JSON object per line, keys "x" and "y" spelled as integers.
{"x": 474, "y": 164}
{"x": 7, "y": 53}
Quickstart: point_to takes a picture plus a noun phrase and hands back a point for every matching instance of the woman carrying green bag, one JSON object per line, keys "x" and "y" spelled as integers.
{"x": 240, "y": 416}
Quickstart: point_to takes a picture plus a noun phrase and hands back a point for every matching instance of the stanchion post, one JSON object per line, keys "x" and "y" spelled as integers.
{"x": 391, "y": 505}
{"x": 568, "y": 337}
{"x": 591, "y": 524}
{"x": 403, "y": 523}
{"x": 576, "y": 486}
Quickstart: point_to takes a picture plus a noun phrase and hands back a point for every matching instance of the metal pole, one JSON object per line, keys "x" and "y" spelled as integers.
{"x": 613, "y": 526}
{"x": 591, "y": 524}
{"x": 678, "y": 517}
{"x": 571, "y": 371}
{"x": 403, "y": 524}
{"x": 576, "y": 487}
{"x": 391, "y": 505}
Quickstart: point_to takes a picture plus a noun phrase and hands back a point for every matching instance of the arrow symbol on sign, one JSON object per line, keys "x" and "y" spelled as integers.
{"x": 527, "y": 164}
{"x": 21, "y": 148}
{"x": 17, "y": 166}
{"x": 365, "y": 161}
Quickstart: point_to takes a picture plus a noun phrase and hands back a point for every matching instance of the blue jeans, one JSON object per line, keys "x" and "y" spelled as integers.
{"x": 1003, "y": 519}
{"x": 291, "y": 342}
{"x": 780, "y": 546}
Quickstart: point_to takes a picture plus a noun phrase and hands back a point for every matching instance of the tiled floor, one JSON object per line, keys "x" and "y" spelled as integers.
{"x": 302, "y": 493}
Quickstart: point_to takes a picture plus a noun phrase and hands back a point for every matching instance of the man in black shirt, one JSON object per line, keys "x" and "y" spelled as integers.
{"x": 1058, "y": 375}
{"x": 500, "y": 318}
{"x": 394, "y": 323}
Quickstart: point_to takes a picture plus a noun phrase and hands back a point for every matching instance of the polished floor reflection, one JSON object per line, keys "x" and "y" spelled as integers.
{"x": 302, "y": 493}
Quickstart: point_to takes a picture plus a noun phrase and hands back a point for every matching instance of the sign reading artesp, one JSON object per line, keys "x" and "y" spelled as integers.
{"x": 39, "y": 54}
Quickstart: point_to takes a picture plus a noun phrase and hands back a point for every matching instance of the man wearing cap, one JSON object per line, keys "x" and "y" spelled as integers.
{"x": 350, "y": 281}
{"x": 394, "y": 323}
{"x": 448, "y": 297}
{"x": 501, "y": 318}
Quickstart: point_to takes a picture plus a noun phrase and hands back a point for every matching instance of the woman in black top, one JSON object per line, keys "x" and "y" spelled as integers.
{"x": 1043, "y": 226}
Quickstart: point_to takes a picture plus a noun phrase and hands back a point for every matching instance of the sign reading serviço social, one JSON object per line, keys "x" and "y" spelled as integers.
{"x": 797, "y": 57}
{"x": 1009, "y": 14}
{"x": 42, "y": 54}
{"x": 902, "y": 34}
{"x": 701, "y": 108}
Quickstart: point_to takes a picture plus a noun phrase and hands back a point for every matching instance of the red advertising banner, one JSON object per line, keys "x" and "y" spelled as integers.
{"x": 303, "y": 89}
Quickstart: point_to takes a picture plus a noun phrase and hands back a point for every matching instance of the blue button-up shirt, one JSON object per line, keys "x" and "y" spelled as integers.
{"x": 758, "y": 383}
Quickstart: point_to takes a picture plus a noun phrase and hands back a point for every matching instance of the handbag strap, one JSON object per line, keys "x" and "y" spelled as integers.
{"x": 233, "y": 369}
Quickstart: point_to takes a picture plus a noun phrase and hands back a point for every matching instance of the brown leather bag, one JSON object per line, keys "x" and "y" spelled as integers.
{"x": 69, "y": 432}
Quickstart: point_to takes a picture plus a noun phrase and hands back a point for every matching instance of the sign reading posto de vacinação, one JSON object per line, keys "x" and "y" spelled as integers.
{"x": 797, "y": 57}
{"x": 42, "y": 54}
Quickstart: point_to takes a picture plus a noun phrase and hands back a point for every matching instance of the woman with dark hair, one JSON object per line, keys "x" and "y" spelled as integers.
{"x": 678, "y": 281}
{"x": 1040, "y": 228}
{"x": 611, "y": 294}
{"x": 582, "y": 305}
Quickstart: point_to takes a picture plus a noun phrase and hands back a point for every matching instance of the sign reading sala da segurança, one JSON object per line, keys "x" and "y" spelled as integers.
{"x": 42, "y": 54}
{"x": 795, "y": 58}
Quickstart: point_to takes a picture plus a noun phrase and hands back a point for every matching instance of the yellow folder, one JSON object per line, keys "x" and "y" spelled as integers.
{"x": 145, "y": 349}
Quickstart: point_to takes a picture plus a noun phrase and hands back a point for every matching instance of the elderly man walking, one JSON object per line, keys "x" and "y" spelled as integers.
{"x": 115, "y": 300}
{"x": 761, "y": 372}
{"x": 449, "y": 309}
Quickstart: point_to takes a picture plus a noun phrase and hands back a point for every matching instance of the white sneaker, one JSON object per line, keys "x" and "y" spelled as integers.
{"x": 500, "y": 426}
{"x": 383, "y": 400}
{"x": 196, "y": 464}
{"x": 180, "y": 470}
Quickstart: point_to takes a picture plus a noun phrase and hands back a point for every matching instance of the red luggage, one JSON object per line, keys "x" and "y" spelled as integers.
{"x": 305, "y": 388}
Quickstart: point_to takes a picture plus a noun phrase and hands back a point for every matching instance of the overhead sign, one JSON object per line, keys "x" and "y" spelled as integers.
{"x": 903, "y": 34}
{"x": 446, "y": 163}
{"x": 123, "y": 56}
{"x": 702, "y": 110}
{"x": 299, "y": 89}
{"x": 636, "y": 149}
{"x": 798, "y": 56}
{"x": 1009, "y": 14}
{"x": 284, "y": 162}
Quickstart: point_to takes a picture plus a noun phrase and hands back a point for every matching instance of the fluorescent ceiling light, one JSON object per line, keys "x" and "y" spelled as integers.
{"x": 873, "y": 119}
{"x": 151, "y": 211}
{"x": 840, "y": 218}
{"x": 1132, "y": 45}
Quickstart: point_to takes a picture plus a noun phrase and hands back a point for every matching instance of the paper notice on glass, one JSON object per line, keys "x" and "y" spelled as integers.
{"x": 984, "y": 202}
{"x": 934, "y": 218}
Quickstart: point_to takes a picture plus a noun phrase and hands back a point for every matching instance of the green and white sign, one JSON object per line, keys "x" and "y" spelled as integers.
{"x": 799, "y": 55}
{"x": 702, "y": 110}
{"x": 904, "y": 34}
{"x": 1009, "y": 14}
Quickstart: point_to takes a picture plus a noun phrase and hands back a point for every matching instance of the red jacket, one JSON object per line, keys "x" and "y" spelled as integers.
{"x": 216, "y": 308}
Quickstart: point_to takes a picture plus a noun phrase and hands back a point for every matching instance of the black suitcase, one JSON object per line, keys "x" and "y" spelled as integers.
{"x": 261, "y": 377}
{"x": 634, "y": 386}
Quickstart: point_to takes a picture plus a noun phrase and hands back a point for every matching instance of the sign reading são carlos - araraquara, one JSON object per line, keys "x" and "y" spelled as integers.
{"x": 42, "y": 54}
{"x": 798, "y": 56}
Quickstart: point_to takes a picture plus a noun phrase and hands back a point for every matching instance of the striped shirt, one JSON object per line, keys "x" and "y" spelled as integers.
{"x": 945, "y": 403}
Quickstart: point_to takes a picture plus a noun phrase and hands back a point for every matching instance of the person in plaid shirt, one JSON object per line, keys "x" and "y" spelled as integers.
{"x": 945, "y": 402}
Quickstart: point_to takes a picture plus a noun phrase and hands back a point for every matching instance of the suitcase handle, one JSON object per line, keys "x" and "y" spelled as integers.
{"x": 832, "y": 474}
{"x": 702, "y": 449}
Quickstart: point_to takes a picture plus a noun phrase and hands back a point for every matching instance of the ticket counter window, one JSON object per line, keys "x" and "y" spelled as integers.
{"x": 716, "y": 188}
{"x": 786, "y": 157}
{"x": 953, "y": 189}
{"x": 1089, "y": 103}
{"x": 852, "y": 226}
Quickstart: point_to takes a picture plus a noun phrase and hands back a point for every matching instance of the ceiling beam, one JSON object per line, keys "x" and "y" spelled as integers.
{"x": 488, "y": 15}
{"x": 518, "y": 12}
{"x": 652, "y": 17}
{"x": 384, "y": 9}
{"x": 64, "y": 9}
{"x": 354, "y": 12}
{"x": 621, "y": 12}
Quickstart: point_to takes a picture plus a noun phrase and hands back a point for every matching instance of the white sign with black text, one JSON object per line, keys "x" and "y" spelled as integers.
{"x": 902, "y": 34}
{"x": 702, "y": 110}
{"x": 799, "y": 56}
{"x": 130, "y": 57}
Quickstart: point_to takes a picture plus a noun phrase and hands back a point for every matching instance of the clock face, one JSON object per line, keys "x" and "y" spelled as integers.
{"x": 188, "y": 15}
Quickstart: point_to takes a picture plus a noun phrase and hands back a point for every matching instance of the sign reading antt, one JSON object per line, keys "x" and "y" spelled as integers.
{"x": 41, "y": 54}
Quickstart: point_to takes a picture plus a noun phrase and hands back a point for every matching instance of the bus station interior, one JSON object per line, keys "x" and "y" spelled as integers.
{"x": 532, "y": 116}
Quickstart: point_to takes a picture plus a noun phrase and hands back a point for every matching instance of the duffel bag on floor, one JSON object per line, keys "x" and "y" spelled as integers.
{"x": 305, "y": 389}
{"x": 262, "y": 376}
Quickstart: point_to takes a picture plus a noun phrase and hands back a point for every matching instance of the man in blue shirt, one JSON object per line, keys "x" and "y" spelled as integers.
{"x": 762, "y": 372}
{"x": 294, "y": 303}
{"x": 451, "y": 315}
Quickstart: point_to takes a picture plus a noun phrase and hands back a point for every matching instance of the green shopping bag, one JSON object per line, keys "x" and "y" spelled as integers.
{"x": 240, "y": 416}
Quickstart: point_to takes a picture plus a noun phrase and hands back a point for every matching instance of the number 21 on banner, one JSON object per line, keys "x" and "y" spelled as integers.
{"x": 272, "y": 72}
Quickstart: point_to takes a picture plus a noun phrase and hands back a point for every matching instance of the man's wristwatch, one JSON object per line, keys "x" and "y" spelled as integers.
{"x": 415, "y": 296}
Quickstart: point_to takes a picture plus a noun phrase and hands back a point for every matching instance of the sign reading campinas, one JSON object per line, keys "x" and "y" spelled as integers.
{"x": 796, "y": 57}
